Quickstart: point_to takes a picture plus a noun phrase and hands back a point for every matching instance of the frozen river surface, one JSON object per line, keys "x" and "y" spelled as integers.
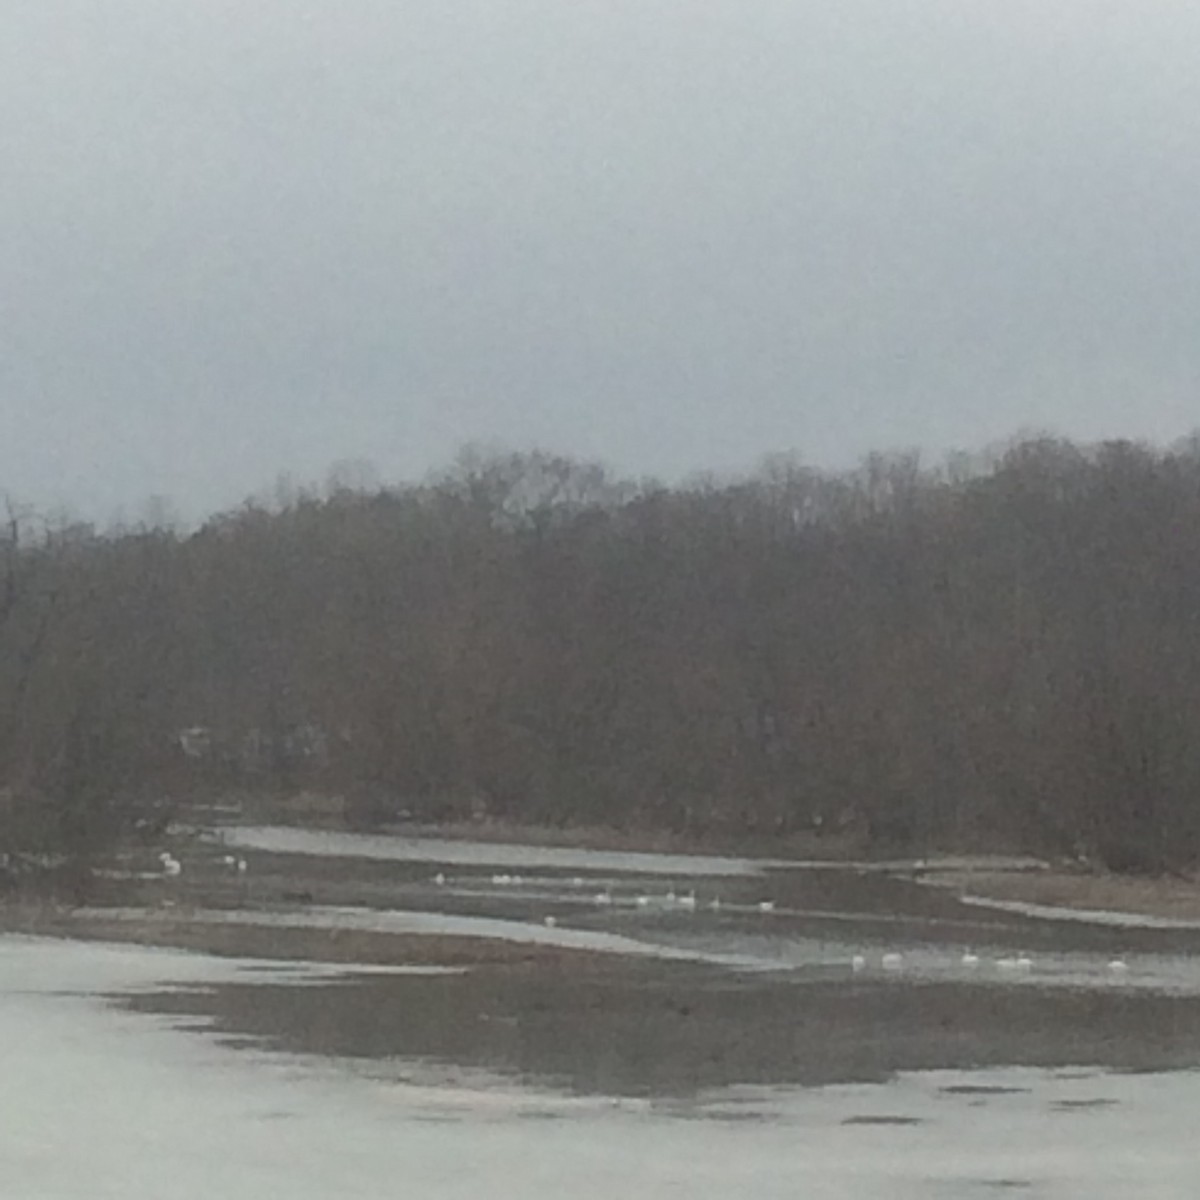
{"x": 100, "y": 1102}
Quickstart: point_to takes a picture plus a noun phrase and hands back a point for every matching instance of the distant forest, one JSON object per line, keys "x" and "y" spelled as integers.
{"x": 996, "y": 652}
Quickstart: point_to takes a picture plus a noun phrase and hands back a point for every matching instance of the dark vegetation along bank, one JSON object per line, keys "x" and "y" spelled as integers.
{"x": 996, "y": 653}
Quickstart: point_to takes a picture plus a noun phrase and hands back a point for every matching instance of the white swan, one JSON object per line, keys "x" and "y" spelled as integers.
{"x": 1021, "y": 962}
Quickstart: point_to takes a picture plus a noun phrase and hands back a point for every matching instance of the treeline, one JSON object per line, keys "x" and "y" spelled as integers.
{"x": 992, "y": 653}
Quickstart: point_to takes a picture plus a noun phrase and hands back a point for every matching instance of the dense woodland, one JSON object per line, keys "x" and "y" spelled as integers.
{"x": 997, "y": 652}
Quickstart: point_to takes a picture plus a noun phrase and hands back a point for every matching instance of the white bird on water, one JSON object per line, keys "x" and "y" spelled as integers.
{"x": 1022, "y": 963}
{"x": 550, "y": 922}
{"x": 440, "y": 879}
{"x": 766, "y": 906}
{"x": 1118, "y": 966}
{"x": 171, "y": 866}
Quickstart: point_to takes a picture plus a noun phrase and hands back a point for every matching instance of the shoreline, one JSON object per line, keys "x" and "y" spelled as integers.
{"x": 1056, "y": 890}
{"x": 247, "y": 938}
{"x": 1063, "y": 894}
{"x": 1020, "y": 885}
{"x": 804, "y": 844}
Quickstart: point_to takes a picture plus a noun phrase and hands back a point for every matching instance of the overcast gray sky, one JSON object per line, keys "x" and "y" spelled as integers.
{"x": 244, "y": 238}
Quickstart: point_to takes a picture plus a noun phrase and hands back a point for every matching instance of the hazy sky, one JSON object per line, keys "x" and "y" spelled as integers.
{"x": 239, "y": 238}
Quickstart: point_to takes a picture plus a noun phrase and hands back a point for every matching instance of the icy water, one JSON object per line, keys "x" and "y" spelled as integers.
{"x": 737, "y": 1030}
{"x": 750, "y": 914}
{"x": 100, "y": 1103}
{"x": 473, "y": 854}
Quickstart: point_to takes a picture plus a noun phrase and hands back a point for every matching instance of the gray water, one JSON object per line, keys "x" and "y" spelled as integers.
{"x": 100, "y": 1103}
{"x": 817, "y": 917}
{"x": 817, "y": 1033}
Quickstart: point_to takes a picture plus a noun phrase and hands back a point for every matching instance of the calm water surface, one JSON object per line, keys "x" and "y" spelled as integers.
{"x": 812, "y": 1033}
